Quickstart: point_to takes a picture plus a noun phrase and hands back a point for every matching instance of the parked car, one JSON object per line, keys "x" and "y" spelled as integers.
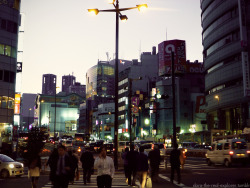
{"x": 228, "y": 152}
{"x": 9, "y": 167}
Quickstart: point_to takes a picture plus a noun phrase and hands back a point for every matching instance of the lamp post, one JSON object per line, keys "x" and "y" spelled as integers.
{"x": 29, "y": 118}
{"x": 40, "y": 112}
{"x": 55, "y": 118}
{"x": 118, "y": 11}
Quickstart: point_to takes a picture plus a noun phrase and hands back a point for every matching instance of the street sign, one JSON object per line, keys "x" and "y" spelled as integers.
{"x": 135, "y": 109}
{"x": 135, "y": 101}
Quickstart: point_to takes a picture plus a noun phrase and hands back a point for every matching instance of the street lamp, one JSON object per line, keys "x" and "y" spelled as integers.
{"x": 217, "y": 98}
{"x": 29, "y": 118}
{"x": 118, "y": 11}
{"x": 40, "y": 112}
{"x": 55, "y": 118}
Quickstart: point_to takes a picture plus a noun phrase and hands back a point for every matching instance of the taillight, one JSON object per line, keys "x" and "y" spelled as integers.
{"x": 231, "y": 152}
{"x": 248, "y": 152}
{"x": 152, "y": 146}
{"x": 164, "y": 146}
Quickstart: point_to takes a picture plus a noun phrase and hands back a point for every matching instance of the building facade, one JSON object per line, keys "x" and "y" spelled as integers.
{"x": 9, "y": 22}
{"x": 67, "y": 81}
{"x": 79, "y": 89}
{"x": 100, "y": 81}
{"x": 225, "y": 38}
{"x": 59, "y": 114}
{"x": 137, "y": 82}
{"x": 49, "y": 84}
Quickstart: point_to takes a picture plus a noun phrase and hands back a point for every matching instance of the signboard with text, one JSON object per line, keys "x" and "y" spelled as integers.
{"x": 164, "y": 49}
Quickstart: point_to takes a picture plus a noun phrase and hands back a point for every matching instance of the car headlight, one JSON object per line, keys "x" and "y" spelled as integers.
{"x": 11, "y": 165}
{"x": 22, "y": 164}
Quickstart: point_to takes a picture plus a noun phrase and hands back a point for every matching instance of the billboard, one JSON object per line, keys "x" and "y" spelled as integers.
{"x": 164, "y": 49}
{"x": 17, "y": 103}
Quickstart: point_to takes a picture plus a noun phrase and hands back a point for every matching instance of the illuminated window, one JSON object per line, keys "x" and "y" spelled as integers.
{"x": 7, "y": 50}
{"x": 4, "y": 102}
{"x": 11, "y": 103}
{"x": 1, "y": 49}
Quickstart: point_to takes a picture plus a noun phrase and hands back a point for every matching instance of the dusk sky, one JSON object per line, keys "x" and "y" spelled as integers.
{"x": 61, "y": 37}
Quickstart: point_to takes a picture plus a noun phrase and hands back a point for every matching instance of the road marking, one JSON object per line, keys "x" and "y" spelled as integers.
{"x": 174, "y": 182}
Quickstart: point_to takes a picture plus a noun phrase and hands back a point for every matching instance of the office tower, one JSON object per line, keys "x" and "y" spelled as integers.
{"x": 49, "y": 84}
{"x": 67, "y": 81}
{"x": 225, "y": 38}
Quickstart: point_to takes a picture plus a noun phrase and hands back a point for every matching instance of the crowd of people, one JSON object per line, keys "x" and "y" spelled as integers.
{"x": 140, "y": 165}
{"x": 137, "y": 165}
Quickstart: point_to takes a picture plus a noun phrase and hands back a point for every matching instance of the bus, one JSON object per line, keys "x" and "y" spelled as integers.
{"x": 82, "y": 137}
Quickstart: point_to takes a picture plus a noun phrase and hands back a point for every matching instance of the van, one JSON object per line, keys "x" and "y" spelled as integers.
{"x": 122, "y": 145}
{"x": 228, "y": 152}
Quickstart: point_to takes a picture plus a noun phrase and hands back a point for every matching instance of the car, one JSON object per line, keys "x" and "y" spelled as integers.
{"x": 150, "y": 146}
{"x": 10, "y": 167}
{"x": 228, "y": 152}
{"x": 67, "y": 143}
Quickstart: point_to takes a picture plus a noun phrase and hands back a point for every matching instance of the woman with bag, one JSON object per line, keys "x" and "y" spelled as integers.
{"x": 34, "y": 170}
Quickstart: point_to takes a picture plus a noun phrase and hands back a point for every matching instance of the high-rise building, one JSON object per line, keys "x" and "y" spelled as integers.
{"x": 67, "y": 81}
{"x": 49, "y": 84}
{"x": 100, "y": 81}
{"x": 226, "y": 29}
{"x": 9, "y": 22}
{"x": 79, "y": 89}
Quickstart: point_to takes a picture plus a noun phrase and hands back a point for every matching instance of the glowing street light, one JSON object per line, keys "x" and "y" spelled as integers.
{"x": 118, "y": 11}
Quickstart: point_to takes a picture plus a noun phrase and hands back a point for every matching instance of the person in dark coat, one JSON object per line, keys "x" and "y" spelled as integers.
{"x": 142, "y": 167}
{"x": 59, "y": 163}
{"x": 74, "y": 165}
{"x": 87, "y": 160}
{"x": 132, "y": 165}
{"x": 175, "y": 163}
{"x": 125, "y": 163}
{"x": 154, "y": 157}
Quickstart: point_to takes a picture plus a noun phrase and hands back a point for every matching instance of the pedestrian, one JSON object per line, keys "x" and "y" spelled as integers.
{"x": 105, "y": 169}
{"x": 175, "y": 163}
{"x": 34, "y": 167}
{"x": 87, "y": 160}
{"x": 132, "y": 157}
{"x": 154, "y": 157}
{"x": 60, "y": 164}
{"x": 142, "y": 167}
{"x": 125, "y": 163}
{"x": 74, "y": 165}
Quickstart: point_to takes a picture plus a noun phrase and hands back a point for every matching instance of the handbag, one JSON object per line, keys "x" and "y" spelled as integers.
{"x": 148, "y": 182}
{"x": 77, "y": 175}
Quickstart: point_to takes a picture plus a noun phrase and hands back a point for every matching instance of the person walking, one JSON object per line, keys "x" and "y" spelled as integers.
{"x": 142, "y": 167}
{"x": 175, "y": 163}
{"x": 74, "y": 165}
{"x": 60, "y": 164}
{"x": 34, "y": 167}
{"x": 125, "y": 163}
{"x": 105, "y": 169}
{"x": 87, "y": 160}
{"x": 132, "y": 158}
{"x": 154, "y": 157}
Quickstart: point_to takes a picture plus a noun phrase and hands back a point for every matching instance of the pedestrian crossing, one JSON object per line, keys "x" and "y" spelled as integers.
{"x": 117, "y": 182}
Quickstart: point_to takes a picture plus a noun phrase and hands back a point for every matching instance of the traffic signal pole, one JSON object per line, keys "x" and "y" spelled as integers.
{"x": 173, "y": 93}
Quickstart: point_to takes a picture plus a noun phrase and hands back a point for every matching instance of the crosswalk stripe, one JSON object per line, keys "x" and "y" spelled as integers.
{"x": 118, "y": 181}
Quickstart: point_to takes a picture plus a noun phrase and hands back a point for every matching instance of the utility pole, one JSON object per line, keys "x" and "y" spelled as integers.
{"x": 173, "y": 93}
